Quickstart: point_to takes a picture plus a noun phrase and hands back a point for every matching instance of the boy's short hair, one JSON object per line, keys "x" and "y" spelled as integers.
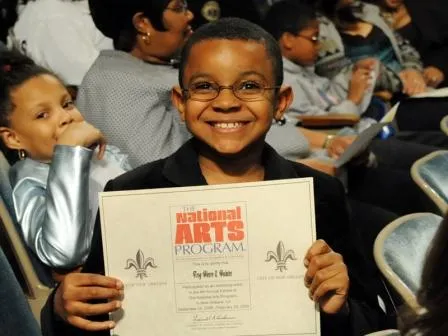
{"x": 289, "y": 17}
{"x": 235, "y": 29}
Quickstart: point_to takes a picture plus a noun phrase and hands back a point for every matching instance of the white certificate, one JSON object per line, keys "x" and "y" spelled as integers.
{"x": 222, "y": 260}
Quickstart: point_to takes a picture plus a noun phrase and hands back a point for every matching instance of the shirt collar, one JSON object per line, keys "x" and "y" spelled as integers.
{"x": 182, "y": 168}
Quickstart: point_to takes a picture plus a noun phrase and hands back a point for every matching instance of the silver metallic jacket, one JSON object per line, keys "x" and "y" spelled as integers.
{"x": 56, "y": 203}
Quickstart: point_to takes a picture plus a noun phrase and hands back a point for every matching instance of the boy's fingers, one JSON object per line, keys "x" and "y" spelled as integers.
{"x": 337, "y": 284}
{"x": 88, "y": 279}
{"x": 88, "y": 325}
{"x": 318, "y": 247}
{"x": 325, "y": 274}
{"x": 90, "y": 293}
{"x": 320, "y": 262}
{"x": 89, "y": 309}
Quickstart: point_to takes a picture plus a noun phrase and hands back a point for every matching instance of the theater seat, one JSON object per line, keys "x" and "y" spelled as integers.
{"x": 400, "y": 251}
{"x": 431, "y": 175}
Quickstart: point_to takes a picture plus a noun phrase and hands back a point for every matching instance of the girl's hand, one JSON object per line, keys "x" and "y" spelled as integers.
{"x": 72, "y": 296}
{"x": 83, "y": 134}
{"x": 326, "y": 277}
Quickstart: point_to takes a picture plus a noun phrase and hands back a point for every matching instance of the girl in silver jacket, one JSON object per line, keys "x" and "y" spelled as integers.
{"x": 62, "y": 162}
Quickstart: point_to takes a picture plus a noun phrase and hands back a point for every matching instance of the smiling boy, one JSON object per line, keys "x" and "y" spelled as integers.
{"x": 230, "y": 90}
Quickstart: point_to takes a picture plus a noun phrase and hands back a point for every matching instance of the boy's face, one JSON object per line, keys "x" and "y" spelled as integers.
{"x": 304, "y": 47}
{"x": 227, "y": 124}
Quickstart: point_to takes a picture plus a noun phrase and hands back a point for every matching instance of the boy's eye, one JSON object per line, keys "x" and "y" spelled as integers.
{"x": 250, "y": 86}
{"x": 202, "y": 86}
{"x": 68, "y": 104}
{"x": 42, "y": 115}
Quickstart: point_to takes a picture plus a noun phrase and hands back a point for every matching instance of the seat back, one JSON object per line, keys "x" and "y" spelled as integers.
{"x": 431, "y": 175}
{"x": 444, "y": 125}
{"x": 36, "y": 275}
{"x": 400, "y": 251}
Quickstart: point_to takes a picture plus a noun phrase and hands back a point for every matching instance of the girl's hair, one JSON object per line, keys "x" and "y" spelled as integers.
{"x": 15, "y": 69}
{"x": 433, "y": 295}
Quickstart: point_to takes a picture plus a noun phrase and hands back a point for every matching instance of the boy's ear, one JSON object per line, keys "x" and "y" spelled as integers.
{"x": 284, "y": 99}
{"x": 287, "y": 40}
{"x": 10, "y": 138}
{"x": 178, "y": 100}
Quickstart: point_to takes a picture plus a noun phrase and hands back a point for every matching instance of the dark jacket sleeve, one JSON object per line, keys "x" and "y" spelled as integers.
{"x": 335, "y": 226}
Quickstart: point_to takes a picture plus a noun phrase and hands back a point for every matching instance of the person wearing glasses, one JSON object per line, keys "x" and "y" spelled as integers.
{"x": 126, "y": 92}
{"x": 228, "y": 104}
{"x": 296, "y": 28}
{"x": 60, "y": 36}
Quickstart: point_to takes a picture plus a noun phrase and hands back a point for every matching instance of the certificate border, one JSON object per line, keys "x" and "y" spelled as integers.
{"x": 308, "y": 180}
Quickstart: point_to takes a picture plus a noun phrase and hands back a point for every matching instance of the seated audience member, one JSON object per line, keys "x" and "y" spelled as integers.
{"x": 433, "y": 295}
{"x": 358, "y": 31}
{"x": 126, "y": 92}
{"x": 423, "y": 24}
{"x": 228, "y": 104}
{"x": 56, "y": 178}
{"x": 16, "y": 317}
{"x": 60, "y": 36}
{"x": 365, "y": 22}
{"x": 295, "y": 26}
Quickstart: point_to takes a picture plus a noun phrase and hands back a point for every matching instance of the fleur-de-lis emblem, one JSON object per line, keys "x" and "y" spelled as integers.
{"x": 140, "y": 264}
{"x": 281, "y": 257}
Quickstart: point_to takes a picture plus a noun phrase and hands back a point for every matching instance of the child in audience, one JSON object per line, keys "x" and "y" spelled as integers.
{"x": 296, "y": 28}
{"x": 230, "y": 89}
{"x": 56, "y": 179}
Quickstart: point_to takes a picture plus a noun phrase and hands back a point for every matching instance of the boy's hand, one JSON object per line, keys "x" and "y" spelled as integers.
{"x": 72, "y": 296}
{"x": 338, "y": 145}
{"x": 433, "y": 76}
{"x": 413, "y": 82}
{"x": 83, "y": 134}
{"x": 359, "y": 83}
{"x": 326, "y": 277}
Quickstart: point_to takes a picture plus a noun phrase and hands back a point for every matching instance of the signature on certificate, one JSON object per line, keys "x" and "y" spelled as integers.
{"x": 212, "y": 317}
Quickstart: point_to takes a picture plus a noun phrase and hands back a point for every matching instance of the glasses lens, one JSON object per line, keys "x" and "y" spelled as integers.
{"x": 203, "y": 91}
{"x": 249, "y": 89}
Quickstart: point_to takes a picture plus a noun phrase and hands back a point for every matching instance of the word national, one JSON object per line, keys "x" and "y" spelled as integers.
{"x": 209, "y": 232}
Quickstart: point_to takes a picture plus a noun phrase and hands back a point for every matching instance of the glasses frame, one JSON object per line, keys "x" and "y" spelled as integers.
{"x": 313, "y": 39}
{"x": 181, "y": 8}
{"x": 219, "y": 88}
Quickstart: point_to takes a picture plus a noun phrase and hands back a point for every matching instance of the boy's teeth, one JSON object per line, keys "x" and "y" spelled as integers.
{"x": 228, "y": 125}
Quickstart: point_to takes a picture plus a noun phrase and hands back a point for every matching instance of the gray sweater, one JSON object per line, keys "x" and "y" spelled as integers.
{"x": 129, "y": 101}
{"x": 316, "y": 95}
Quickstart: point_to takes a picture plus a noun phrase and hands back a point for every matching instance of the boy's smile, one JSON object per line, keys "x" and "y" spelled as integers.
{"x": 228, "y": 94}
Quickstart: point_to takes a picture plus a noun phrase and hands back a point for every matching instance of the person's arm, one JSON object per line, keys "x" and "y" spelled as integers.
{"x": 335, "y": 145}
{"x": 308, "y": 101}
{"x": 80, "y": 303}
{"x": 53, "y": 215}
